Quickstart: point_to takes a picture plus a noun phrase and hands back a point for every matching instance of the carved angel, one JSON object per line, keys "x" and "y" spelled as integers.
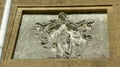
{"x": 62, "y": 35}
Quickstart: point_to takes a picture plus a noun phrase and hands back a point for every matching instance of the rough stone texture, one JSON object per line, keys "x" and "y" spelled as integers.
{"x": 29, "y": 45}
{"x": 114, "y": 35}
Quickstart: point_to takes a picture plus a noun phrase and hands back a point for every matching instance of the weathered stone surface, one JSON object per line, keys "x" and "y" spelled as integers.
{"x": 62, "y": 36}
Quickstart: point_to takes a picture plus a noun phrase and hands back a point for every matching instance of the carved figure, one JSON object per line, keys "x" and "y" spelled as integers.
{"x": 63, "y": 36}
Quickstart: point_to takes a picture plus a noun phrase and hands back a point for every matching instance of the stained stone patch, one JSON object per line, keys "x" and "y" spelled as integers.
{"x": 62, "y": 35}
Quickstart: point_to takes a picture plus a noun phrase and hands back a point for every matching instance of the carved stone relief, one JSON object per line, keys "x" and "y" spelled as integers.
{"x": 61, "y": 36}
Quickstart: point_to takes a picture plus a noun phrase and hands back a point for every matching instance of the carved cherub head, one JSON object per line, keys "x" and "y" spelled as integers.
{"x": 85, "y": 25}
{"x": 37, "y": 26}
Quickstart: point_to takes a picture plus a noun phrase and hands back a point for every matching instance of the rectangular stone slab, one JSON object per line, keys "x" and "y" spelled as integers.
{"x": 29, "y": 44}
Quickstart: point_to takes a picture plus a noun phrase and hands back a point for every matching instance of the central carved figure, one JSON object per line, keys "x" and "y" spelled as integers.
{"x": 64, "y": 37}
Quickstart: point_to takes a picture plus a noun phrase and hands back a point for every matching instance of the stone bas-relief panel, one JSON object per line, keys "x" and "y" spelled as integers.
{"x": 62, "y": 35}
